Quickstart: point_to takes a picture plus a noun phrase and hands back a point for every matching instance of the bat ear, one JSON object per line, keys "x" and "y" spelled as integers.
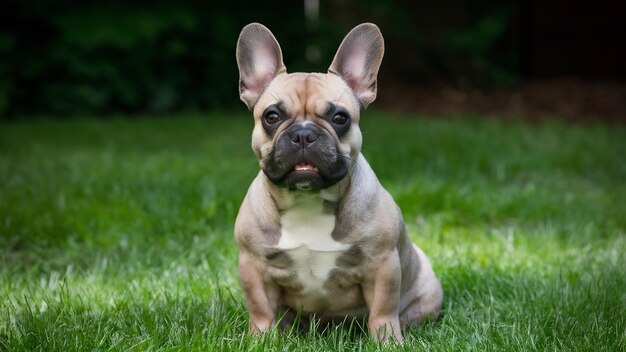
{"x": 358, "y": 59}
{"x": 259, "y": 59}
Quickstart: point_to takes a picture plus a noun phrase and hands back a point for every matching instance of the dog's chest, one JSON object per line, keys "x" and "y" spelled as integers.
{"x": 306, "y": 236}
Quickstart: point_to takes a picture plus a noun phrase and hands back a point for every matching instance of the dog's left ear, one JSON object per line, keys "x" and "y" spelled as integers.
{"x": 358, "y": 59}
{"x": 259, "y": 59}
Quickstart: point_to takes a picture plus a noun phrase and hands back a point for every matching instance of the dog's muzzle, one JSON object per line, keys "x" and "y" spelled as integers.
{"x": 305, "y": 157}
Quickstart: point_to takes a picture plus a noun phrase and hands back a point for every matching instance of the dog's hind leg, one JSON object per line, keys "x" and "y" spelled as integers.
{"x": 427, "y": 294}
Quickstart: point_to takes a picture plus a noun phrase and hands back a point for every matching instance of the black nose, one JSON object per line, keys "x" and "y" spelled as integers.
{"x": 303, "y": 137}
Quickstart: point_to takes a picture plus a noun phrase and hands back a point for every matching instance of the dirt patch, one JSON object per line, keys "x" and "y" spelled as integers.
{"x": 564, "y": 98}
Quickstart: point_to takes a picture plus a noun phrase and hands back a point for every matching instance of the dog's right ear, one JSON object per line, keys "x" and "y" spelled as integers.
{"x": 259, "y": 59}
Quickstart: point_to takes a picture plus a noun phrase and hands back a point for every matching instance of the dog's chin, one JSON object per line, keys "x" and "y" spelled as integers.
{"x": 308, "y": 178}
{"x": 304, "y": 180}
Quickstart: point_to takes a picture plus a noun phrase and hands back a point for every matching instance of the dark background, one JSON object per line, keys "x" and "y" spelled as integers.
{"x": 531, "y": 58}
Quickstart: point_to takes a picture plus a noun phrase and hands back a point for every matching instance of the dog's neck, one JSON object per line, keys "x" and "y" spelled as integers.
{"x": 285, "y": 198}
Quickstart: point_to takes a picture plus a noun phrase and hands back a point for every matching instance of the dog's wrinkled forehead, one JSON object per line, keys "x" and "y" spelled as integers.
{"x": 308, "y": 95}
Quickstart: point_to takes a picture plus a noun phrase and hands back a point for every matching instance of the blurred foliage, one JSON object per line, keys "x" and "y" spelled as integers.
{"x": 114, "y": 56}
{"x": 460, "y": 42}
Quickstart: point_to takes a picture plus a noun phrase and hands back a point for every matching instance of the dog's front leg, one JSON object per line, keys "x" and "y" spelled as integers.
{"x": 261, "y": 297}
{"x": 381, "y": 289}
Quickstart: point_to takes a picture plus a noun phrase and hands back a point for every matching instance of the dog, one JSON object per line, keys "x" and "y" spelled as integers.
{"x": 317, "y": 233}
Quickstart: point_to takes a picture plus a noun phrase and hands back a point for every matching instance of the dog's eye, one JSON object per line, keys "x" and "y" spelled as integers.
{"x": 272, "y": 118}
{"x": 340, "y": 118}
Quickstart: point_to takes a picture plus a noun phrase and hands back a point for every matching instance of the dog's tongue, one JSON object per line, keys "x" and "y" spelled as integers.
{"x": 305, "y": 167}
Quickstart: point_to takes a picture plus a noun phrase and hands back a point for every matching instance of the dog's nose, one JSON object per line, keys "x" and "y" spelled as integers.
{"x": 303, "y": 137}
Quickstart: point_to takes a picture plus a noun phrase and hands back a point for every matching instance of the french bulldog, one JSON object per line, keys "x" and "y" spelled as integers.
{"x": 317, "y": 233}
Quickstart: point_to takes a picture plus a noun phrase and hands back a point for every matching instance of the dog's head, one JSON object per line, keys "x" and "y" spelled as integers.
{"x": 306, "y": 133}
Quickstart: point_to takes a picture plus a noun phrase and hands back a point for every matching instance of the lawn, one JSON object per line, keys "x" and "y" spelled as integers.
{"x": 117, "y": 234}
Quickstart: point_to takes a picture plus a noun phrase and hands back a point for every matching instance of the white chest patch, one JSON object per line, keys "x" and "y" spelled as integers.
{"x": 306, "y": 237}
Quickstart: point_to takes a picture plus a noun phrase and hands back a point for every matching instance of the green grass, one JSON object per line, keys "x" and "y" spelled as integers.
{"x": 117, "y": 234}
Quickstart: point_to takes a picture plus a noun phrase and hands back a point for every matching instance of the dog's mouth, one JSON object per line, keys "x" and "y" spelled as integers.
{"x": 307, "y": 176}
{"x": 304, "y": 176}
{"x": 303, "y": 166}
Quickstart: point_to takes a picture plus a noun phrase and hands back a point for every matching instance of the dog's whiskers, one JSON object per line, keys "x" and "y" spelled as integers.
{"x": 341, "y": 96}
{"x": 273, "y": 96}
